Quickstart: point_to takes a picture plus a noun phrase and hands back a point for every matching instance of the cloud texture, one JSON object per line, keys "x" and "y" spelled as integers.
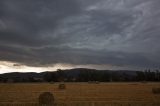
{"x": 80, "y": 32}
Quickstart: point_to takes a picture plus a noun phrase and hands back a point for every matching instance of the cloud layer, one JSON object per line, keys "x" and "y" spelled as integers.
{"x": 80, "y": 32}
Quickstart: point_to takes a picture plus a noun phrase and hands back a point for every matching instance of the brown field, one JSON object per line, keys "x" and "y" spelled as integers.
{"x": 81, "y": 94}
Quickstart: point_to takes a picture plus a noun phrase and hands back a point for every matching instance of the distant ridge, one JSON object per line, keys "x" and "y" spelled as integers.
{"x": 70, "y": 72}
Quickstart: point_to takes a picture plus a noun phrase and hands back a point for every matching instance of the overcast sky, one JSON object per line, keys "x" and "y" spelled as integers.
{"x": 102, "y": 34}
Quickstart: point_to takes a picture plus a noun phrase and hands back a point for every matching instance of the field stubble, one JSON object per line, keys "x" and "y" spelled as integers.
{"x": 81, "y": 94}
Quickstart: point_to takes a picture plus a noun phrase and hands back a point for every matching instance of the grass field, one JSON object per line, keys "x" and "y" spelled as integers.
{"x": 81, "y": 94}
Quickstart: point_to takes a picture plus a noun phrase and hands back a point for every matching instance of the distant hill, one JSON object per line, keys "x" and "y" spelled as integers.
{"x": 71, "y": 73}
{"x": 22, "y": 75}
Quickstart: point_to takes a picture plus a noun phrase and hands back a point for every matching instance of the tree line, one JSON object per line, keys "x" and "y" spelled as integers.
{"x": 103, "y": 76}
{"x": 87, "y": 75}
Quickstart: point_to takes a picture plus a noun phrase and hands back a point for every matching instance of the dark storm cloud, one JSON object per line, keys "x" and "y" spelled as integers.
{"x": 117, "y": 32}
{"x": 25, "y": 20}
{"x": 85, "y": 56}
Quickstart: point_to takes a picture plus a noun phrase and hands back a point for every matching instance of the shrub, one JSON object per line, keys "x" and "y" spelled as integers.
{"x": 144, "y": 82}
{"x": 52, "y": 82}
{"x": 156, "y": 90}
{"x": 93, "y": 82}
{"x": 61, "y": 86}
{"x": 46, "y": 98}
{"x": 97, "y": 82}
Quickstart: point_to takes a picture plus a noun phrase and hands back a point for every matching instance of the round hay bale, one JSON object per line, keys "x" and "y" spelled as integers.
{"x": 61, "y": 86}
{"x": 156, "y": 90}
{"x": 46, "y": 98}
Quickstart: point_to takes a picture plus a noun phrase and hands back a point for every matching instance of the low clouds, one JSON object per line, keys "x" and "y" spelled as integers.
{"x": 80, "y": 32}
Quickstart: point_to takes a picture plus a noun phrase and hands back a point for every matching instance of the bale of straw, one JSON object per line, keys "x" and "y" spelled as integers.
{"x": 46, "y": 98}
{"x": 61, "y": 86}
{"x": 156, "y": 90}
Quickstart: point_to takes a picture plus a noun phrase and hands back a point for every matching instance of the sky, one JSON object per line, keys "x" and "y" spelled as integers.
{"x": 45, "y": 35}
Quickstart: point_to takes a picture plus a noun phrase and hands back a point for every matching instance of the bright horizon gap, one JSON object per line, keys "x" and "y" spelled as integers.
{"x": 7, "y": 67}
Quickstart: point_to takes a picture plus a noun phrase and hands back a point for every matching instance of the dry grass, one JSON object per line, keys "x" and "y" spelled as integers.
{"x": 82, "y": 94}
